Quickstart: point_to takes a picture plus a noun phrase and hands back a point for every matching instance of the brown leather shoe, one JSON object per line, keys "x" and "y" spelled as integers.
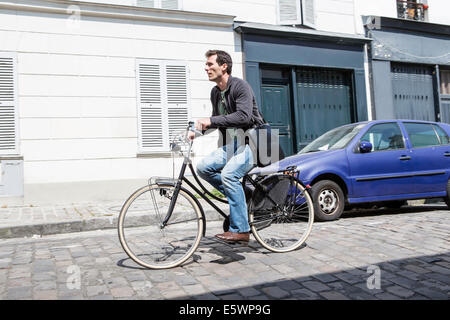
{"x": 234, "y": 237}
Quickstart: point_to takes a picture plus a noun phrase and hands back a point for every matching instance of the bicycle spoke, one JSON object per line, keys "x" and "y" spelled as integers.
{"x": 183, "y": 221}
{"x": 285, "y": 226}
{"x": 140, "y": 231}
{"x": 260, "y": 219}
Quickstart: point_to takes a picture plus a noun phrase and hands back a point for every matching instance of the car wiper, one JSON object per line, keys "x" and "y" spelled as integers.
{"x": 311, "y": 151}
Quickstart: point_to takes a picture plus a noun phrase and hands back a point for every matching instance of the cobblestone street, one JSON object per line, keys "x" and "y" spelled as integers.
{"x": 371, "y": 254}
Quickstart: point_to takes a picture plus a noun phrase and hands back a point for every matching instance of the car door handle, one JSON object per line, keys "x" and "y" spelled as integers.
{"x": 405, "y": 158}
{"x": 447, "y": 154}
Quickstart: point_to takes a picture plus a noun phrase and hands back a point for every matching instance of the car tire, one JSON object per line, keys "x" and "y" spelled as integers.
{"x": 328, "y": 199}
{"x": 447, "y": 198}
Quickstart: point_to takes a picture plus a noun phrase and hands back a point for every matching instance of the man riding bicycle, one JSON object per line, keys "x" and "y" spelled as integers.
{"x": 234, "y": 110}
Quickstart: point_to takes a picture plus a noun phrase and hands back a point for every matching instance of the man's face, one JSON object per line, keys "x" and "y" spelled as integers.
{"x": 212, "y": 68}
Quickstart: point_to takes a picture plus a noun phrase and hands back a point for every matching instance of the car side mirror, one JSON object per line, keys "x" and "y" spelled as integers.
{"x": 365, "y": 147}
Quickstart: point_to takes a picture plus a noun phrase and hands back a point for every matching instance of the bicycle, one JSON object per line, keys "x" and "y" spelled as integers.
{"x": 161, "y": 224}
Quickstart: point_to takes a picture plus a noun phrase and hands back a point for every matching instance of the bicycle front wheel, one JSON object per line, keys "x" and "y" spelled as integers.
{"x": 281, "y": 216}
{"x": 140, "y": 232}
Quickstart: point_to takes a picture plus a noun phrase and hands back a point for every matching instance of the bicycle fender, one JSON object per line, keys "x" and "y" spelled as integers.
{"x": 161, "y": 181}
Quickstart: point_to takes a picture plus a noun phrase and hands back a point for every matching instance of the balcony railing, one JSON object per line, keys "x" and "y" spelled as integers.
{"x": 410, "y": 10}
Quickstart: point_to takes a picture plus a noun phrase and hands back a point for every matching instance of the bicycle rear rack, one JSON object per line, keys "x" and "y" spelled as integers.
{"x": 292, "y": 171}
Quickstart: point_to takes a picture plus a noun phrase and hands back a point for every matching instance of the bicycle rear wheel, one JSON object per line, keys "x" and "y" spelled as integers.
{"x": 281, "y": 216}
{"x": 140, "y": 232}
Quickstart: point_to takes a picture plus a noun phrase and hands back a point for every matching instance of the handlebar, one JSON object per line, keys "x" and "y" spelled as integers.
{"x": 191, "y": 127}
{"x": 181, "y": 141}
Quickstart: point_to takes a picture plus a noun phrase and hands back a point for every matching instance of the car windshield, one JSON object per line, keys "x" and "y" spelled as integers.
{"x": 333, "y": 139}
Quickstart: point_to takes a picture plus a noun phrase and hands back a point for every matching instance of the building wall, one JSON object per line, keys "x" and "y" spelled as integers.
{"x": 438, "y": 11}
{"x": 335, "y": 15}
{"x": 77, "y": 92}
{"x": 263, "y": 11}
{"x": 331, "y": 15}
{"x": 385, "y": 8}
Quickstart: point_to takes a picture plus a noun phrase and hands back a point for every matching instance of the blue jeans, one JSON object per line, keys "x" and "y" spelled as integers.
{"x": 222, "y": 169}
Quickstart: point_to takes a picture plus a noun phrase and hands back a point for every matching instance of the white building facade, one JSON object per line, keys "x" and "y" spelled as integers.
{"x": 91, "y": 91}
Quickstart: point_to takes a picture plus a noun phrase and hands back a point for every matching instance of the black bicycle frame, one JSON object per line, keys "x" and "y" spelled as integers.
{"x": 205, "y": 193}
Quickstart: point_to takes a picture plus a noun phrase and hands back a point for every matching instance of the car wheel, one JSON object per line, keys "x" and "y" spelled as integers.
{"x": 329, "y": 200}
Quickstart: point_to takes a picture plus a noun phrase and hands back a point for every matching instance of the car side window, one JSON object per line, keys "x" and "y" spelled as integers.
{"x": 443, "y": 137}
{"x": 421, "y": 134}
{"x": 384, "y": 136}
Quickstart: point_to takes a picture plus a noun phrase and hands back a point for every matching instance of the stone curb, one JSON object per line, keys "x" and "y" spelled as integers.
{"x": 90, "y": 224}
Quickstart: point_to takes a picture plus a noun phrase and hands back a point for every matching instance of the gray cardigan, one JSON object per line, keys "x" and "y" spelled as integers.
{"x": 240, "y": 104}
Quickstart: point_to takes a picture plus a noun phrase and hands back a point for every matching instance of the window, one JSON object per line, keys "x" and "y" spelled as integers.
{"x": 163, "y": 101}
{"x": 443, "y": 137}
{"x": 160, "y": 4}
{"x": 334, "y": 139}
{"x": 445, "y": 82}
{"x": 422, "y": 135}
{"x": 384, "y": 136}
{"x": 8, "y": 106}
{"x": 411, "y": 10}
{"x": 297, "y": 12}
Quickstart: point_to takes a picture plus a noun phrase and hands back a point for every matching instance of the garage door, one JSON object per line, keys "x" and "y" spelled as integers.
{"x": 413, "y": 92}
{"x": 445, "y": 95}
{"x": 324, "y": 102}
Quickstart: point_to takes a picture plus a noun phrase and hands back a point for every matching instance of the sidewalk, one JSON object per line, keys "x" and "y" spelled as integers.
{"x": 18, "y": 221}
{"x": 35, "y": 221}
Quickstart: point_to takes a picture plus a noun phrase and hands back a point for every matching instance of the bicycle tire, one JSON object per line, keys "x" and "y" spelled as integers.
{"x": 139, "y": 227}
{"x": 284, "y": 226}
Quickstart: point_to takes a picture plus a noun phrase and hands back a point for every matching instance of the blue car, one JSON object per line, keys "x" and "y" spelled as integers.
{"x": 384, "y": 162}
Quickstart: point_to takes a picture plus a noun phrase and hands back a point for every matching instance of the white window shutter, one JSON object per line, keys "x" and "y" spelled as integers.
{"x": 8, "y": 106}
{"x": 163, "y": 100}
{"x": 150, "y": 102}
{"x": 308, "y": 13}
{"x": 169, "y": 4}
{"x": 146, "y": 3}
{"x": 177, "y": 97}
{"x": 160, "y": 4}
{"x": 289, "y": 12}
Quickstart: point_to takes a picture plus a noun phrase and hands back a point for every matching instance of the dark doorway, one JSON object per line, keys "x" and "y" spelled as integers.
{"x": 276, "y": 105}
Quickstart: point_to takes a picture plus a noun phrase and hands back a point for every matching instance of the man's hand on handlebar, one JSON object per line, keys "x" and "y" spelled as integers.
{"x": 203, "y": 124}
{"x": 200, "y": 125}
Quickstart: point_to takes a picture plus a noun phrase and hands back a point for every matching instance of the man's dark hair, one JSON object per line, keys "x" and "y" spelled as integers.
{"x": 222, "y": 57}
